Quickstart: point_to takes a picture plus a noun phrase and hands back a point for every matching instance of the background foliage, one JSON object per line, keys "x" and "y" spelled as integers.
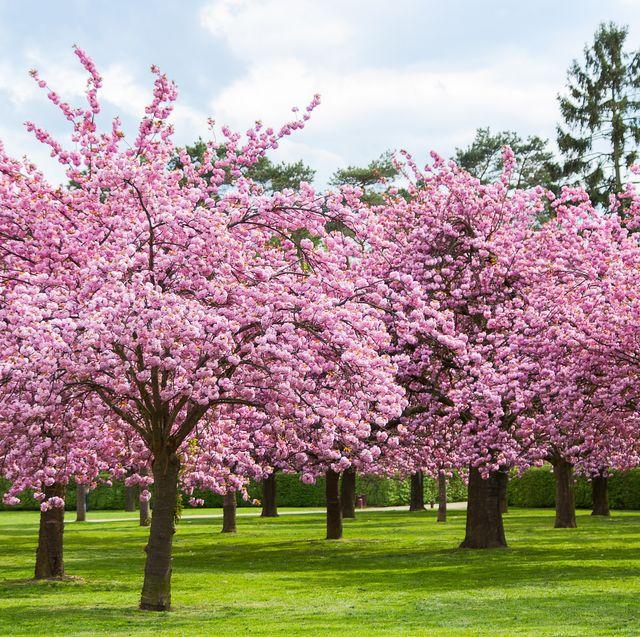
{"x": 291, "y": 493}
{"x": 536, "y": 488}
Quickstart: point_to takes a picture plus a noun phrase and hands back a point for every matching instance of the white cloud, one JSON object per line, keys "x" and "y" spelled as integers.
{"x": 412, "y": 107}
{"x": 407, "y": 74}
{"x": 293, "y": 49}
{"x": 120, "y": 88}
{"x": 19, "y": 143}
{"x": 17, "y": 86}
{"x": 322, "y": 160}
{"x": 256, "y": 28}
{"x": 64, "y": 75}
{"x": 122, "y": 94}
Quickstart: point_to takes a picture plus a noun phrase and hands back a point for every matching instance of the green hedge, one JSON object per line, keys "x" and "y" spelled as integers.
{"x": 456, "y": 490}
{"x": 101, "y": 498}
{"x": 536, "y": 488}
{"x": 291, "y": 493}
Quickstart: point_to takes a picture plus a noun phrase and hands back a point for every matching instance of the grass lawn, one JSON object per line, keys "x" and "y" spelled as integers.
{"x": 395, "y": 573}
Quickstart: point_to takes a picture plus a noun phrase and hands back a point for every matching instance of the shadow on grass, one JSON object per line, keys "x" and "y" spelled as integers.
{"x": 428, "y": 561}
{"x": 388, "y": 563}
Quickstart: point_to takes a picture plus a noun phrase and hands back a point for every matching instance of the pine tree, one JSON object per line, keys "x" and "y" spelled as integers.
{"x": 373, "y": 178}
{"x": 276, "y": 177}
{"x": 535, "y": 162}
{"x": 273, "y": 177}
{"x": 601, "y": 113}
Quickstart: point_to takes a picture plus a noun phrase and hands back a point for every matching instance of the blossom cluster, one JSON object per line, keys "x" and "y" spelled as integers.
{"x": 165, "y": 308}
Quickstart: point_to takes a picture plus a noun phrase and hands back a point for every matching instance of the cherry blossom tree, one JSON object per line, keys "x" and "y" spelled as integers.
{"x": 327, "y": 446}
{"x": 47, "y": 438}
{"x": 586, "y": 262}
{"x": 47, "y": 443}
{"x": 183, "y": 295}
{"x": 453, "y": 253}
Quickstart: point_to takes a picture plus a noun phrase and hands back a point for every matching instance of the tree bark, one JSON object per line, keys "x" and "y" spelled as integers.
{"x": 130, "y": 497}
{"x": 229, "y": 505}
{"x": 503, "y": 477}
{"x": 269, "y": 497}
{"x": 348, "y": 493}
{"x": 334, "y": 508}
{"x": 442, "y": 497}
{"x": 565, "y": 499}
{"x": 600, "y": 495}
{"x": 145, "y": 514}
{"x": 81, "y": 502}
{"x": 156, "y": 591}
{"x": 484, "y": 520}
{"x": 416, "y": 501}
{"x": 49, "y": 554}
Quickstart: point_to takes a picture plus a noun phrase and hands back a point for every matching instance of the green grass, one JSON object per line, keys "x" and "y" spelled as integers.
{"x": 395, "y": 573}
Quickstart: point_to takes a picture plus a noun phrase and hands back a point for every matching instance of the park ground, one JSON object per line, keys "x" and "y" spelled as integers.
{"x": 395, "y": 573}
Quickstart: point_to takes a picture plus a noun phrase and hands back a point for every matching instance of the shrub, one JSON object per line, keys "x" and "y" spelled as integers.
{"x": 291, "y": 493}
{"x": 536, "y": 488}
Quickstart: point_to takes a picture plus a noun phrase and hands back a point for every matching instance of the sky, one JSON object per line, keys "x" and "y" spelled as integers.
{"x": 419, "y": 75}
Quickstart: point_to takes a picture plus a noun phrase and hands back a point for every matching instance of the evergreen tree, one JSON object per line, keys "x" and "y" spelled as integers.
{"x": 535, "y": 162}
{"x": 371, "y": 178}
{"x": 276, "y": 177}
{"x": 273, "y": 177}
{"x": 601, "y": 113}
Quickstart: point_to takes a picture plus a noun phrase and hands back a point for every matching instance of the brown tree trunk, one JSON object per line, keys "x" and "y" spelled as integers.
{"x": 442, "y": 497}
{"x": 145, "y": 514}
{"x": 156, "y": 591}
{"x": 600, "y": 495}
{"x": 130, "y": 497}
{"x": 565, "y": 499}
{"x": 503, "y": 477}
{"x": 484, "y": 520}
{"x": 229, "y": 505}
{"x": 49, "y": 555}
{"x": 81, "y": 502}
{"x": 269, "y": 497}
{"x": 348, "y": 493}
{"x": 334, "y": 508}
{"x": 416, "y": 501}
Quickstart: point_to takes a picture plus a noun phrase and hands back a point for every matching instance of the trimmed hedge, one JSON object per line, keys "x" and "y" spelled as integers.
{"x": 291, "y": 493}
{"x": 102, "y": 497}
{"x": 536, "y": 488}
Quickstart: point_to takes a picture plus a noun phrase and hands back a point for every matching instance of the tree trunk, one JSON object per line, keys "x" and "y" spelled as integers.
{"x": 334, "y": 509}
{"x": 416, "y": 502}
{"x": 229, "y": 505}
{"x": 145, "y": 514}
{"x": 503, "y": 477}
{"x": 348, "y": 493}
{"x": 442, "y": 497}
{"x": 565, "y": 499}
{"x": 269, "y": 497}
{"x": 484, "y": 520}
{"x": 49, "y": 555}
{"x": 81, "y": 502}
{"x": 156, "y": 591}
{"x": 130, "y": 497}
{"x": 617, "y": 140}
{"x": 600, "y": 495}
